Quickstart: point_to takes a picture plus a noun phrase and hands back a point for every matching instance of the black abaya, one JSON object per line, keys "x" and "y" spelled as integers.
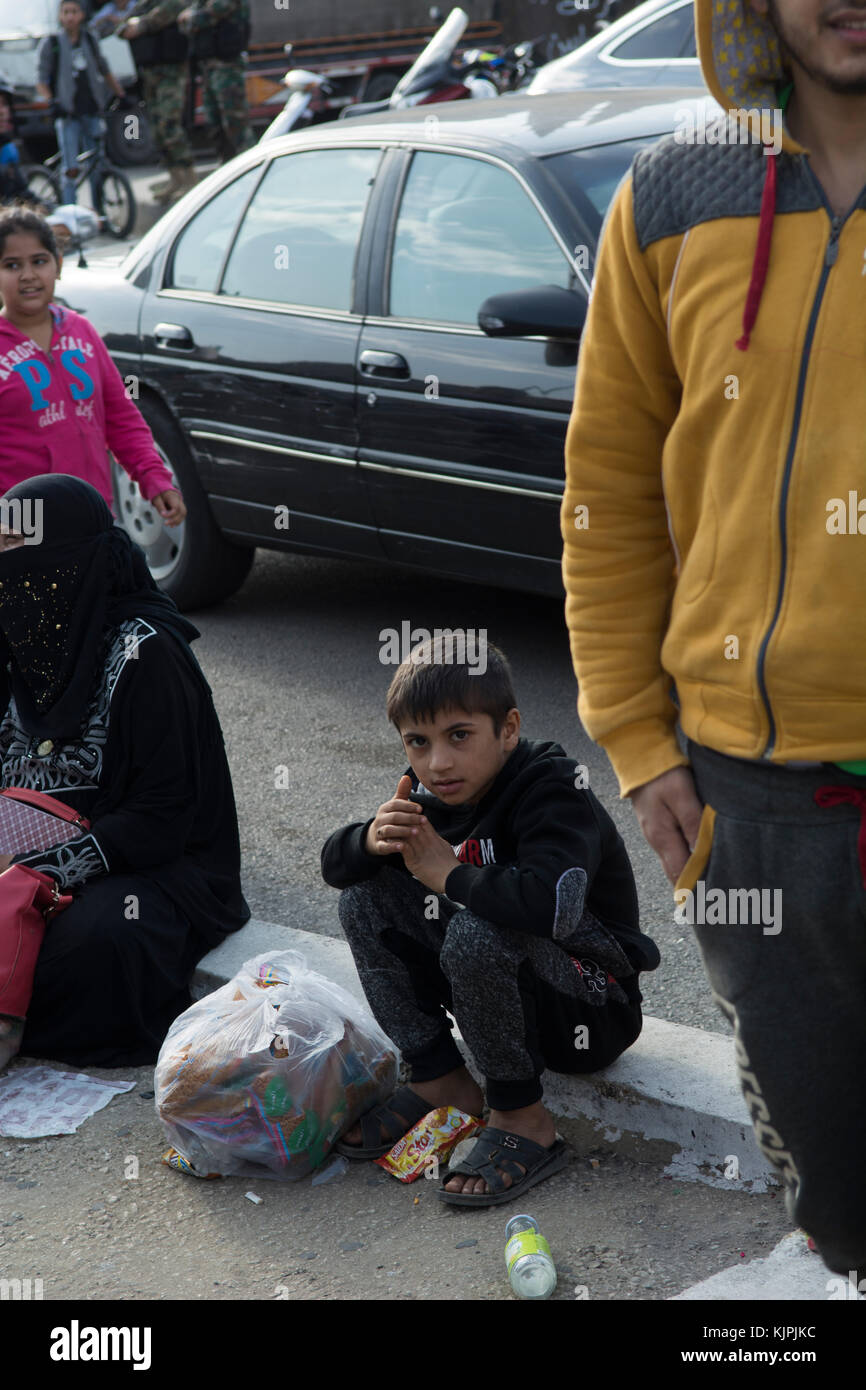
{"x": 161, "y": 862}
{"x": 105, "y": 707}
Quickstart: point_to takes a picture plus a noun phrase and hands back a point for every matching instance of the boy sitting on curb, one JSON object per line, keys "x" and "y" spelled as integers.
{"x": 529, "y": 938}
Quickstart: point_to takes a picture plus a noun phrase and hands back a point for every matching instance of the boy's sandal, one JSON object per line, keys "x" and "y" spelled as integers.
{"x": 396, "y": 1116}
{"x": 497, "y": 1153}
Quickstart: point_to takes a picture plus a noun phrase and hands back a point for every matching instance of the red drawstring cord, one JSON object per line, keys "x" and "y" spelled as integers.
{"x": 848, "y": 796}
{"x": 762, "y": 253}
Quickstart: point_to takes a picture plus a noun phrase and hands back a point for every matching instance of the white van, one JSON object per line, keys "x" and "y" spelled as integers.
{"x": 23, "y": 25}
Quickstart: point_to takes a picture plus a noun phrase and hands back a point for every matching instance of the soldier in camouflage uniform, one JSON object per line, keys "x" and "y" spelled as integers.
{"x": 161, "y": 54}
{"x": 219, "y": 32}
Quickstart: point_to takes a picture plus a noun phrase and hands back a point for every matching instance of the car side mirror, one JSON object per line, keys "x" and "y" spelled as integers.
{"x": 548, "y": 311}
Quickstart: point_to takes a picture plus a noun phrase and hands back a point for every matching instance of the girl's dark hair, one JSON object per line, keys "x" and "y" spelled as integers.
{"x": 25, "y": 220}
{"x": 430, "y": 680}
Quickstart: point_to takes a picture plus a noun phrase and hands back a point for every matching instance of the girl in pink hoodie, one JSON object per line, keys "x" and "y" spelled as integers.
{"x": 62, "y": 401}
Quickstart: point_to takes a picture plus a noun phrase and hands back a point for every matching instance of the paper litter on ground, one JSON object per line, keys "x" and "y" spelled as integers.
{"x": 38, "y": 1101}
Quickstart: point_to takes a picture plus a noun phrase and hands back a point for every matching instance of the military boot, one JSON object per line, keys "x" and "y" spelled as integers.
{"x": 182, "y": 177}
{"x": 185, "y": 179}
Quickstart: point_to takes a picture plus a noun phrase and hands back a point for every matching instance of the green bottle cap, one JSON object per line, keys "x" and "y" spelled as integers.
{"x": 858, "y": 767}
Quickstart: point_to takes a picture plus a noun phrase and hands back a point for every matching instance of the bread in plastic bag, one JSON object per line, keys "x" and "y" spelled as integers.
{"x": 262, "y": 1076}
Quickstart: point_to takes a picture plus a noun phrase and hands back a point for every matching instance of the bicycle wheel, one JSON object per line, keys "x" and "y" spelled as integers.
{"x": 42, "y": 186}
{"x": 115, "y": 201}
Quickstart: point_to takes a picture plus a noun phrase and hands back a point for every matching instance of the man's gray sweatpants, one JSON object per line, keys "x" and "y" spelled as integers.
{"x": 790, "y": 975}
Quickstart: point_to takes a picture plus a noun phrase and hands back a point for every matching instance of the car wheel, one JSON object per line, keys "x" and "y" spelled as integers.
{"x": 193, "y": 562}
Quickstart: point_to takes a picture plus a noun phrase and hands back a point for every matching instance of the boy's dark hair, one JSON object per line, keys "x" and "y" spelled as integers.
{"x": 424, "y": 684}
{"x": 25, "y": 220}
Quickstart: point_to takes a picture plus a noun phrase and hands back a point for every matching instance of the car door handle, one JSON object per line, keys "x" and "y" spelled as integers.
{"x": 384, "y": 364}
{"x": 172, "y": 335}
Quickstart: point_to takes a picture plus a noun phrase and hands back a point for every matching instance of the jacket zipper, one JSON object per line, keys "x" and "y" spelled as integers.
{"x": 830, "y": 255}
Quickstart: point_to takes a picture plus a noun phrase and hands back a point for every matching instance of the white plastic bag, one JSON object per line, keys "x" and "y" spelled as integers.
{"x": 262, "y": 1076}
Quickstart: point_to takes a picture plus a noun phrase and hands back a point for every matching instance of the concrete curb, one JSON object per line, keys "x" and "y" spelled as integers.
{"x": 673, "y": 1097}
{"x": 790, "y": 1273}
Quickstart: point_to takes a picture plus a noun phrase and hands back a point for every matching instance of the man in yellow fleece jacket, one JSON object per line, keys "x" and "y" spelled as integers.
{"x": 714, "y": 523}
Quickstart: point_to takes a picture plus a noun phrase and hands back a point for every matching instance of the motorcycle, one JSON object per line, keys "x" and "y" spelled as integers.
{"x": 306, "y": 104}
{"x": 434, "y": 76}
{"x": 73, "y": 227}
{"x": 437, "y": 77}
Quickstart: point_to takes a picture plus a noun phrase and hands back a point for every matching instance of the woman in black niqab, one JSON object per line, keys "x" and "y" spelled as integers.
{"x": 103, "y": 705}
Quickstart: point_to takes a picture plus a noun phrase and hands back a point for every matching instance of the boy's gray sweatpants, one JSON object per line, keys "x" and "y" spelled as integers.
{"x": 519, "y": 999}
{"x": 793, "y": 982}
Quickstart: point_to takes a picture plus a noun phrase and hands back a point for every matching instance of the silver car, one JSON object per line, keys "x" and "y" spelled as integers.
{"x": 654, "y": 43}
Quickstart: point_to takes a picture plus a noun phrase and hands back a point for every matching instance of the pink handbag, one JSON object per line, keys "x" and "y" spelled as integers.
{"x": 28, "y": 899}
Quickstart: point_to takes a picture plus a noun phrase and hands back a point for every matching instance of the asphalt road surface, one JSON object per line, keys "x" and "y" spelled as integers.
{"x": 293, "y": 660}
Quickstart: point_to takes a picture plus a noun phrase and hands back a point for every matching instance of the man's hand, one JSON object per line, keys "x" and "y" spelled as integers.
{"x": 170, "y": 506}
{"x": 430, "y": 858}
{"x": 669, "y": 814}
{"x": 129, "y": 30}
{"x": 5, "y": 861}
{"x": 395, "y": 822}
{"x": 184, "y": 19}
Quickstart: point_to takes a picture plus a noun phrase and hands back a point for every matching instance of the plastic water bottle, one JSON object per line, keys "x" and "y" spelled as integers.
{"x": 531, "y": 1270}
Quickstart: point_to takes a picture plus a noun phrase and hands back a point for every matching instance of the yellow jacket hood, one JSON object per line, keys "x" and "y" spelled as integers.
{"x": 741, "y": 58}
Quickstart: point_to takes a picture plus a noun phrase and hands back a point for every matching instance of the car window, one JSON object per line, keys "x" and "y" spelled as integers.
{"x": 466, "y": 229}
{"x": 690, "y": 47}
{"x": 590, "y": 177}
{"x": 665, "y": 37}
{"x": 201, "y": 247}
{"x": 299, "y": 237}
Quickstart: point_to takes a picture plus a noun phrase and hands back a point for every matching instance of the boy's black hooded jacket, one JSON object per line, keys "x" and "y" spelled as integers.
{"x": 515, "y": 845}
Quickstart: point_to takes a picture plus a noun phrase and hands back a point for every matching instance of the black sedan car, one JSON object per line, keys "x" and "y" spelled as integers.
{"x": 361, "y": 341}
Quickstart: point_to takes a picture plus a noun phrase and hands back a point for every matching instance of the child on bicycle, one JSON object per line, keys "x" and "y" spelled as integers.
{"x": 13, "y": 185}
{"x": 73, "y": 76}
{"x": 62, "y": 400}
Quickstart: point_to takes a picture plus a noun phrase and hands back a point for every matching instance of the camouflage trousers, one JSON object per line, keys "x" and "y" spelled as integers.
{"x": 163, "y": 87}
{"x": 224, "y": 98}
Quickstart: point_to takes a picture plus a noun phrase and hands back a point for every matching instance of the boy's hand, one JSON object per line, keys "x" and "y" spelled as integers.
{"x": 395, "y": 822}
{"x": 430, "y": 858}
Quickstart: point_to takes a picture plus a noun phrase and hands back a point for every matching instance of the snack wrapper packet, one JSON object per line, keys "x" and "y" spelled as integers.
{"x": 261, "y": 1077}
{"x": 429, "y": 1143}
{"x": 172, "y": 1159}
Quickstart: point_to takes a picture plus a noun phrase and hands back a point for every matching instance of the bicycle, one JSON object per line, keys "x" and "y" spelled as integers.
{"x": 115, "y": 200}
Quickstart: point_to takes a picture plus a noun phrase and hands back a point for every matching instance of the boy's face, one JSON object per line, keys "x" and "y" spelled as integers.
{"x": 457, "y": 755}
{"x": 826, "y": 38}
{"x": 71, "y": 16}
